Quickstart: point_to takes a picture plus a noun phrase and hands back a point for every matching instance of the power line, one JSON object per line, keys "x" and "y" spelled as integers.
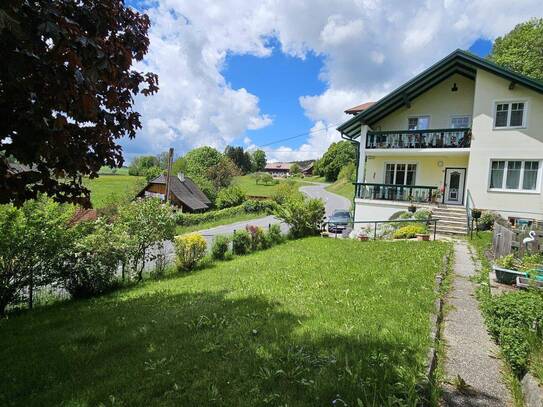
{"x": 298, "y": 135}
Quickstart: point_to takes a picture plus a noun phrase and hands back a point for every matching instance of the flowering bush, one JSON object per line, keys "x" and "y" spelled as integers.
{"x": 189, "y": 249}
{"x": 257, "y": 237}
{"x": 409, "y": 231}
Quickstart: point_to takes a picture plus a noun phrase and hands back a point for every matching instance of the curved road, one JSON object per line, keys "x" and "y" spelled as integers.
{"x": 314, "y": 190}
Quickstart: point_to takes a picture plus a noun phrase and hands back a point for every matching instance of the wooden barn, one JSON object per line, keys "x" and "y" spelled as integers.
{"x": 184, "y": 193}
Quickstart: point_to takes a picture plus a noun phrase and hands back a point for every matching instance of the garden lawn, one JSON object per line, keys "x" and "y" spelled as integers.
{"x": 306, "y": 323}
{"x": 342, "y": 187}
{"x": 107, "y": 189}
{"x": 248, "y": 184}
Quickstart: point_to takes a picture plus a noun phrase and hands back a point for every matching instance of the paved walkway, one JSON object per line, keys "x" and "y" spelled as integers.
{"x": 470, "y": 352}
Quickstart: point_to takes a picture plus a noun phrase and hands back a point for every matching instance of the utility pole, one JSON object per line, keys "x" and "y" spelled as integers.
{"x": 168, "y": 174}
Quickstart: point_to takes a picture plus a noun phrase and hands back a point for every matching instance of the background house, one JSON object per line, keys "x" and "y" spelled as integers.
{"x": 278, "y": 169}
{"x": 184, "y": 193}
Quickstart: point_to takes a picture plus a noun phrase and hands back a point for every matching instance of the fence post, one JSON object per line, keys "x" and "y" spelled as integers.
{"x": 375, "y": 231}
{"x": 435, "y": 228}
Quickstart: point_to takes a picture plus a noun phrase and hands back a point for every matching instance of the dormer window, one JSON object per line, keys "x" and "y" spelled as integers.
{"x": 510, "y": 115}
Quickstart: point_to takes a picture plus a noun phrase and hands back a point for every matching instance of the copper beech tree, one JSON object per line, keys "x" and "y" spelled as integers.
{"x": 67, "y": 87}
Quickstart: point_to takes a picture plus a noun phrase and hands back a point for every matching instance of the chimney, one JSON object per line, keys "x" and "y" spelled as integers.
{"x": 181, "y": 176}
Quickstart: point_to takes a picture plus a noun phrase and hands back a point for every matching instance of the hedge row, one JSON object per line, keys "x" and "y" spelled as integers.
{"x": 189, "y": 219}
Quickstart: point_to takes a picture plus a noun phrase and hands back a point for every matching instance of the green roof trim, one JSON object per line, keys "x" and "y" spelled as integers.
{"x": 458, "y": 62}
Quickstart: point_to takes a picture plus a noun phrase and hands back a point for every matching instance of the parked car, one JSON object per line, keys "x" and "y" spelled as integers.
{"x": 339, "y": 221}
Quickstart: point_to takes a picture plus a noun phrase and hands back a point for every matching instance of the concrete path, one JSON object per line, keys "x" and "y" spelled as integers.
{"x": 470, "y": 352}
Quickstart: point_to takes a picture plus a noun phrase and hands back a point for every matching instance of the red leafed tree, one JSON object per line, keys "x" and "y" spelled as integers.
{"x": 67, "y": 85}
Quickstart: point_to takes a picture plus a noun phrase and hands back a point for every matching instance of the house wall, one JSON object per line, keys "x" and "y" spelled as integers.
{"x": 439, "y": 103}
{"x": 488, "y": 143}
{"x": 429, "y": 173}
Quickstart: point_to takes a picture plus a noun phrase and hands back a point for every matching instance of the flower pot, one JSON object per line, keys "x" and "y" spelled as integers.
{"x": 423, "y": 237}
{"x": 476, "y": 213}
{"x": 363, "y": 238}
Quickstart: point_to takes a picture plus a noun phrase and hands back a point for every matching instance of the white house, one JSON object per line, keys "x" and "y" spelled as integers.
{"x": 465, "y": 133}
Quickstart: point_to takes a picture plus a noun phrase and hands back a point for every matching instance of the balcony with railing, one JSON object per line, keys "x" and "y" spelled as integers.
{"x": 418, "y": 139}
{"x": 392, "y": 192}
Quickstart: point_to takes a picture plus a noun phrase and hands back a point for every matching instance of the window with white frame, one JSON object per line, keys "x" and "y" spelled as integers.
{"x": 418, "y": 123}
{"x": 510, "y": 114}
{"x": 514, "y": 175}
{"x": 460, "y": 122}
{"x": 400, "y": 174}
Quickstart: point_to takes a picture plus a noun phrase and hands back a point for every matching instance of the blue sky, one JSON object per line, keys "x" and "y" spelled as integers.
{"x": 274, "y": 69}
{"x": 279, "y": 80}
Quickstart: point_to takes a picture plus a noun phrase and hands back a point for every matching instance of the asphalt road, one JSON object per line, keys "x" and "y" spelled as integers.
{"x": 315, "y": 190}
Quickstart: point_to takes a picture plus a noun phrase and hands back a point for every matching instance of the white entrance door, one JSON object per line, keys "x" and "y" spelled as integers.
{"x": 454, "y": 185}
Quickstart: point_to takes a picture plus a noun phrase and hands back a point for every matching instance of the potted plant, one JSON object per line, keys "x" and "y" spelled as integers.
{"x": 362, "y": 237}
{"x": 476, "y": 213}
{"x": 412, "y": 208}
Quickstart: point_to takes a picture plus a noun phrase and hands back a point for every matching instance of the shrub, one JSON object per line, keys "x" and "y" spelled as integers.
{"x": 305, "y": 216}
{"x": 399, "y": 215}
{"x": 32, "y": 239}
{"x": 274, "y": 234}
{"x": 513, "y": 318}
{"x": 241, "y": 242}
{"x": 486, "y": 222}
{"x": 220, "y": 247}
{"x": 188, "y": 219}
{"x": 90, "y": 265}
{"x": 229, "y": 197}
{"x": 149, "y": 223}
{"x": 409, "y": 231}
{"x": 257, "y": 237}
{"x": 285, "y": 191}
{"x": 422, "y": 214}
{"x": 254, "y": 206}
{"x": 189, "y": 250}
{"x": 348, "y": 173}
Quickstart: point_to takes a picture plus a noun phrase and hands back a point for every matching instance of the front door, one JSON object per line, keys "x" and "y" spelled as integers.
{"x": 454, "y": 186}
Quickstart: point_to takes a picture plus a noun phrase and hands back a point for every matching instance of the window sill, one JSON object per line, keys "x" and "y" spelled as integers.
{"x": 514, "y": 191}
{"x": 509, "y": 128}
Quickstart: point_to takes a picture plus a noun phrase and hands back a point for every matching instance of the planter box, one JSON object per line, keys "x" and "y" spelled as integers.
{"x": 506, "y": 276}
{"x": 523, "y": 282}
{"x": 423, "y": 237}
{"x": 363, "y": 238}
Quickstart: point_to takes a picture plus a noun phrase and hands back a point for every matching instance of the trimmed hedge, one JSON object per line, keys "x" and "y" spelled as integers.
{"x": 188, "y": 219}
{"x": 250, "y": 206}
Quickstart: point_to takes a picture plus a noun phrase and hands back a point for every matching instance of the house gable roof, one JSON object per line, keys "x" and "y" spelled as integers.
{"x": 186, "y": 191}
{"x": 458, "y": 62}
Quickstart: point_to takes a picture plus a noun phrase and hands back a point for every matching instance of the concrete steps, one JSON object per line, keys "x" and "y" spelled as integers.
{"x": 452, "y": 220}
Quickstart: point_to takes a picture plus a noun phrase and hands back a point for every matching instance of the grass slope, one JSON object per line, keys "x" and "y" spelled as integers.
{"x": 250, "y": 187}
{"x": 305, "y": 323}
{"x": 111, "y": 188}
{"x": 342, "y": 187}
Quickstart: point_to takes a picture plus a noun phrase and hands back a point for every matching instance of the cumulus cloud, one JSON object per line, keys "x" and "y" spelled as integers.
{"x": 369, "y": 48}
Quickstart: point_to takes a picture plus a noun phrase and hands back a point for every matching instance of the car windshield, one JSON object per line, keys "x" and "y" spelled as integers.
{"x": 340, "y": 216}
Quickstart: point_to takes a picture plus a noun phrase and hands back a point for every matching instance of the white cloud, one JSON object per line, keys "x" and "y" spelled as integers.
{"x": 370, "y": 47}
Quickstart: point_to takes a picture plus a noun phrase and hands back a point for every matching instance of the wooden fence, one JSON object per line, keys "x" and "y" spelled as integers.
{"x": 505, "y": 241}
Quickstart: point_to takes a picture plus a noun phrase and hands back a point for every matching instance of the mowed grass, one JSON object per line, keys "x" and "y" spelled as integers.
{"x": 107, "y": 189}
{"x": 342, "y": 187}
{"x": 307, "y": 323}
{"x": 248, "y": 184}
